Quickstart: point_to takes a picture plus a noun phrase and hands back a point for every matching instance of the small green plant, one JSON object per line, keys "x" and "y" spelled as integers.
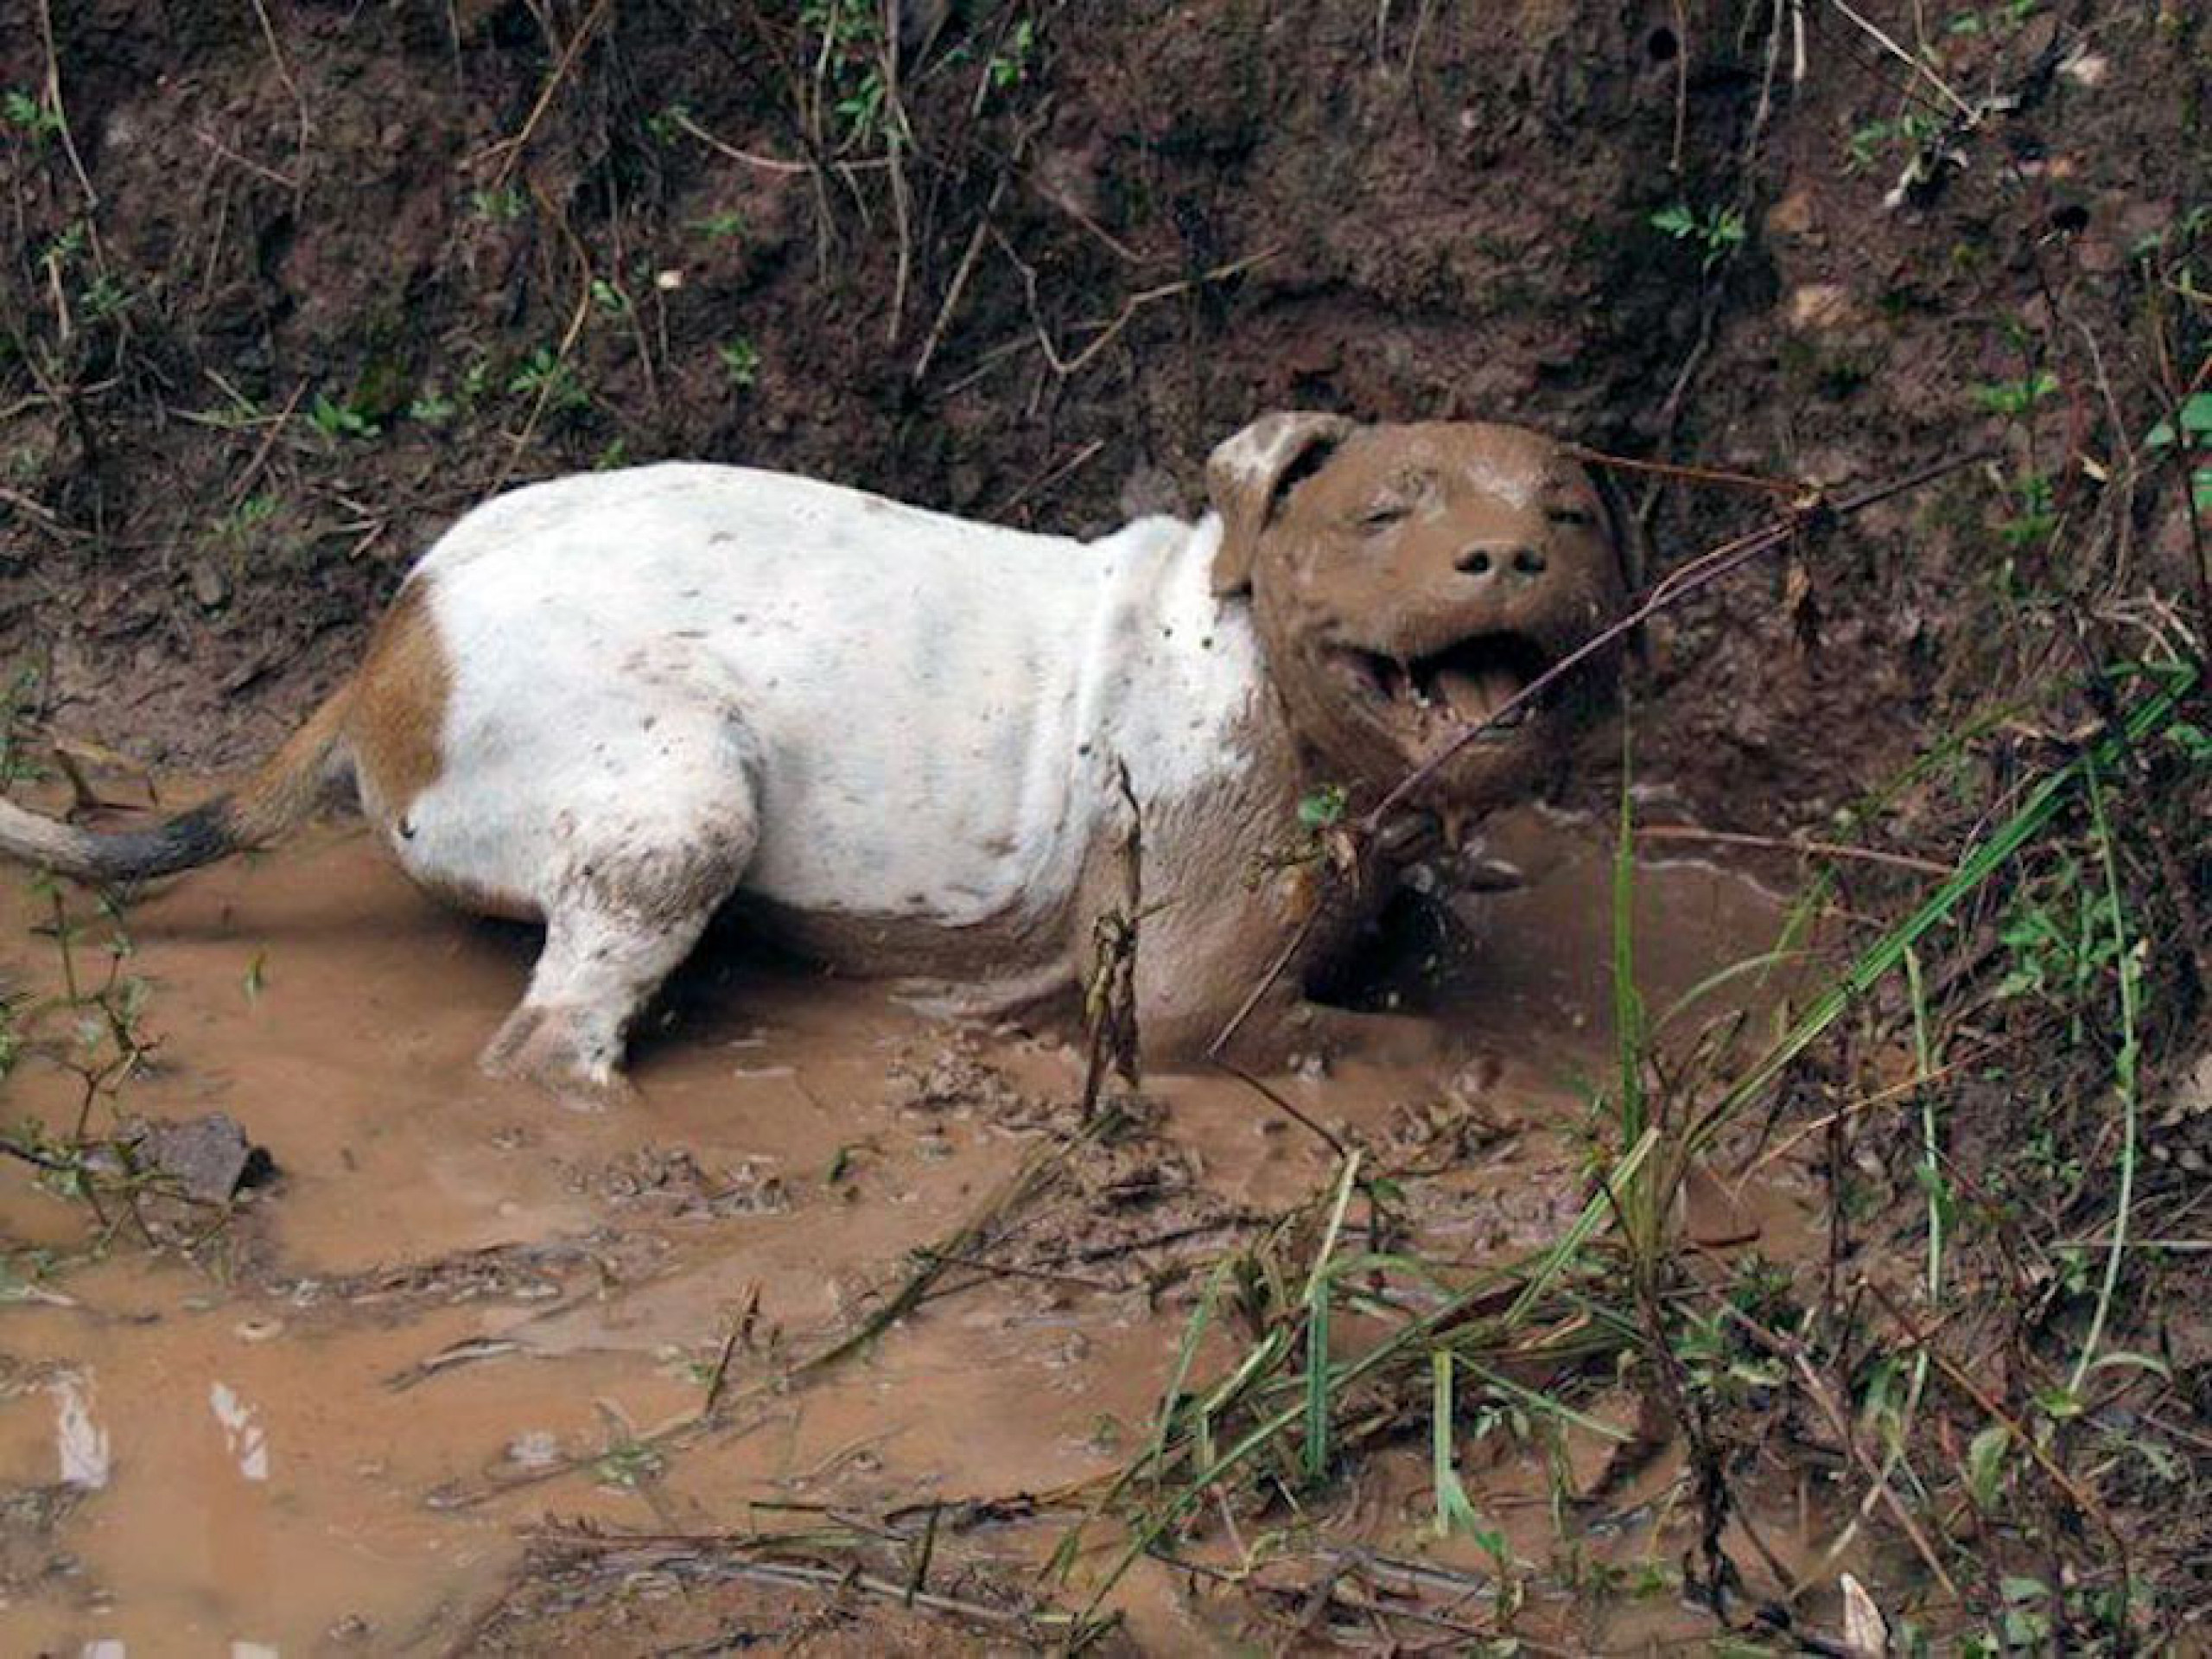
{"x": 2194, "y": 441}
{"x": 2031, "y": 509}
{"x": 2060, "y": 936}
{"x": 336, "y": 420}
{"x": 29, "y": 116}
{"x": 1912, "y": 133}
{"x": 666, "y": 124}
{"x": 721, "y": 226}
{"x": 234, "y": 529}
{"x": 630, "y": 1463}
{"x": 17, "y": 702}
{"x": 104, "y": 299}
{"x": 847, "y": 46}
{"x": 610, "y": 299}
{"x": 550, "y": 379}
{"x": 1324, "y": 808}
{"x": 2003, "y": 19}
{"x": 1718, "y": 231}
{"x": 432, "y": 407}
{"x": 502, "y": 206}
{"x": 63, "y": 252}
{"x": 2181, "y": 233}
{"x": 1009, "y": 65}
{"x": 2014, "y": 398}
{"x": 740, "y": 359}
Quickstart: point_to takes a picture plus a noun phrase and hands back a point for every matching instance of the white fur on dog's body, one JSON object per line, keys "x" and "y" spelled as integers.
{"x": 924, "y": 712}
{"x": 615, "y": 701}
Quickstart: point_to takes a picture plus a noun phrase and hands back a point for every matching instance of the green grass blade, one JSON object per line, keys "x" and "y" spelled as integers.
{"x": 2124, "y": 1079}
{"x": 1193, "y": 1333}
{"x": 1885, "y": 954}
{"x": 1318, "y": 1288}
{"x": 1628, "y": 1004}
{"x": 1452, "y": 1507}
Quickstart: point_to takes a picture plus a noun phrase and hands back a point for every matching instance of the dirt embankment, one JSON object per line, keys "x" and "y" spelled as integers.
{"x": 283, "y": 300}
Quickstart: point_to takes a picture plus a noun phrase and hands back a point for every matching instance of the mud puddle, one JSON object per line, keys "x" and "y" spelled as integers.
{"x": 462, "y": 1313}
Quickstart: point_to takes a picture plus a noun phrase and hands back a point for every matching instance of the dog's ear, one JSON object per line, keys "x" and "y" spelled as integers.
{"x": 1247, "y": 474}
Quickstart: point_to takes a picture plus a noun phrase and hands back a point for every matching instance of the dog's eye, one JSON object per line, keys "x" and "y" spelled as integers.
{"x": 1582, "y": 517}
{"x": 1382, "y": 518}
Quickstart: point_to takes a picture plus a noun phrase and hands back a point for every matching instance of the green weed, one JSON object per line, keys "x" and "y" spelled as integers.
{"x": 741, "y": 360}
{"x": 1714, "y": 233}
{"x": 722, "y": 225}
{"x": 29, "y": 116}
{"x": 2189, "y": 435}
{"x": 338, "y": 421}
{"x": 550, "y": 381}
{"x": 503, "y": 206}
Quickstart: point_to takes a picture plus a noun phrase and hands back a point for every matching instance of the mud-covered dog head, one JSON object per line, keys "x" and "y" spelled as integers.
{"x": 1407, "y": 579}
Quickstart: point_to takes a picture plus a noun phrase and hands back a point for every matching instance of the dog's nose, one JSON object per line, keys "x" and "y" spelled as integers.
{"x": 1485, "y": 557}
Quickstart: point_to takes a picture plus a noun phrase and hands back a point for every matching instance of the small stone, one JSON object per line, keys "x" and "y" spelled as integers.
{"x": 208, "y": 587}
{"x": 2087, "y": 68}
{"x": 537, "y": 1448}
{"x": 1791, "y": 216}
{"x": 208, "y": 1157}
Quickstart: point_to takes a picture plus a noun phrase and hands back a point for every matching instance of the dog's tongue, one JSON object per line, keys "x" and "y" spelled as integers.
{"x": 1477, "y": 695}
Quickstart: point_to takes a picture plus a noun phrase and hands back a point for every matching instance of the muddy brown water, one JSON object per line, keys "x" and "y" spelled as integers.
{"x": 338, "y": 1427}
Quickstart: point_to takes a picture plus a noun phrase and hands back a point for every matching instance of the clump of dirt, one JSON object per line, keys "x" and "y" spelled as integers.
{"x": 533, "y": 1272}
{"x": 669, "y": 1181}
{"x": 35, "y": 1562}
{"x": 949, "y": 1074}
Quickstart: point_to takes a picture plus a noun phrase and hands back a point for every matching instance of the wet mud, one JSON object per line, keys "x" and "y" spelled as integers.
{"x": 402, "y": 1398}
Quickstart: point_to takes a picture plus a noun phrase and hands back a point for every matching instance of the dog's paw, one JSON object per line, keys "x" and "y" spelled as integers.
{"x": 560, "y": 1052}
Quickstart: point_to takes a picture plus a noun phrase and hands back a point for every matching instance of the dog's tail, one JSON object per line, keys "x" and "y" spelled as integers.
{"x": 289, "y": 786}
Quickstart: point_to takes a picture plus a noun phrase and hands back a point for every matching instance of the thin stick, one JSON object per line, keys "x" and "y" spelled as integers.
{"x": 1699, "y": 573}
{"x": 268, "y": 442}
{"x": 2075, "y": 1493}
{"x": 1806, "y": 848}
{"x": 1789, "y": 489}
{"x": 1970, "y": 114}
{"x": 285, "y": 74}
{"x": 61, "y": 117}
{"x": 1867, "y": 1104}
{"x": 1111, "y": 329}
{"x": 509, "y": 149}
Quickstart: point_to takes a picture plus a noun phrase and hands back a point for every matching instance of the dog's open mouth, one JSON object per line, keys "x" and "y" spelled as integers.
{"x": 1463, "y": 684}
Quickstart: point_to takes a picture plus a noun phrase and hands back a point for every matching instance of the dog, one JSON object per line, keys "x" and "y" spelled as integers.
{"x": 912, "y": 744}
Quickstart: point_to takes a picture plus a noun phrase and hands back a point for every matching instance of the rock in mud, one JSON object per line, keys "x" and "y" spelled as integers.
{"x": 210, "y": 1157}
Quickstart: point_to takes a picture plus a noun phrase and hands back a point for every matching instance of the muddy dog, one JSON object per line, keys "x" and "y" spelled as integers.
{"x": 614, "y": 702}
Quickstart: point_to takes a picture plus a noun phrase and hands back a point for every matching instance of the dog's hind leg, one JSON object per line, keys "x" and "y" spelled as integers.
{"x": 636, "y": 887}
